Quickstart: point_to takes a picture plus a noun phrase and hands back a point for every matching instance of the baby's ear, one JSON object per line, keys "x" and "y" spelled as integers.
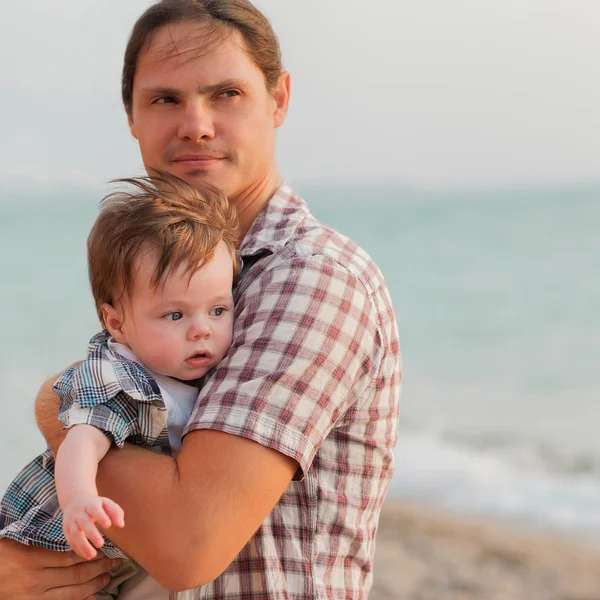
{"x": 113, "y": 319}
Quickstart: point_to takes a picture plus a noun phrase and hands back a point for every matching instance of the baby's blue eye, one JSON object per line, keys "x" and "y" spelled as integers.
{"x": 217, "y": 312}
{"x": 174, "y": 316}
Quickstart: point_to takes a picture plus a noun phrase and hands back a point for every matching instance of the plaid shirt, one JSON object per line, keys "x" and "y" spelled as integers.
{"x": 108, "y": 391}
{"x": 314, "y": 373}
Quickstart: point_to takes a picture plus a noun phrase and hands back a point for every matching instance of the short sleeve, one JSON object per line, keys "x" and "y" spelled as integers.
{"x": 85, "y": 400}
{"x": 306, "y": 346}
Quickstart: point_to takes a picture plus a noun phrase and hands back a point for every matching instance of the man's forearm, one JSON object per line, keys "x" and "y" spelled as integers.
{"x": 146, "y": 485}
{"x": 188, "y": 518}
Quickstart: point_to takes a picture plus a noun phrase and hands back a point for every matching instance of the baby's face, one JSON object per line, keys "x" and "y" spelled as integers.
{"x": 184, "y": 327}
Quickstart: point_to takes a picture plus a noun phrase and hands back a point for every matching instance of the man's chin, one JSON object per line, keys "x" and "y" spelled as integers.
{"x": 201, "y": 177}
{"x": 198, "y": 177}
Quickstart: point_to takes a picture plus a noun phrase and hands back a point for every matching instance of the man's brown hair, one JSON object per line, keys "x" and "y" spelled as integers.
{"x": 159, "y": 213}
{"x": 218, "y": 16}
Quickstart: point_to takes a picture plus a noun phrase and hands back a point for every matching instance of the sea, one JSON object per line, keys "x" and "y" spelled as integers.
{"x": 497, "y": 296}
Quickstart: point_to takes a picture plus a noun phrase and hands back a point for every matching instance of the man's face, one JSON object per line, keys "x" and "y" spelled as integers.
{"x": 207, "y": 118}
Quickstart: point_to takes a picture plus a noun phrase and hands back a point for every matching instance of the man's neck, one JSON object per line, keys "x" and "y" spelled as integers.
{"x": 250, "y": 201}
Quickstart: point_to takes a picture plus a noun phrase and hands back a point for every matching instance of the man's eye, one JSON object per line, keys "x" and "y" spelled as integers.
{"x": 174, "y": 316}
{"x": 217, "y": 312}
{"x": 229, "y": 94}
{"x": 164, "y": 100}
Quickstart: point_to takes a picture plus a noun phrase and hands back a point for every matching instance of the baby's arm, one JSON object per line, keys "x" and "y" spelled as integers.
{"x": 75, "y": 474}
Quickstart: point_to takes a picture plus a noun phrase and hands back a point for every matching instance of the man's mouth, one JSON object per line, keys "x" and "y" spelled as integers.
{"x": 197, "y": 160}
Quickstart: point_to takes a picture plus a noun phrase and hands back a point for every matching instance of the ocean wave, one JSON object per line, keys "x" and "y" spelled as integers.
{"x": 499, "y": 475}
{"x": 527, "y": 453}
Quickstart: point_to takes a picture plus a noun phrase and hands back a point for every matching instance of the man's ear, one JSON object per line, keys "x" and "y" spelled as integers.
{"x": 131, "y": 124}
{"x": 281, "y": 95}
{"x": 113, "y": 320}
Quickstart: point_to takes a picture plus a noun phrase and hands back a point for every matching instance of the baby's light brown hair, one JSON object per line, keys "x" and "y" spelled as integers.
{"x": 160, "y": 213}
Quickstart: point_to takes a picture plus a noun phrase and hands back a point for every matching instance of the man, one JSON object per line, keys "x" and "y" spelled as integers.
{"x": 287, "y": 458}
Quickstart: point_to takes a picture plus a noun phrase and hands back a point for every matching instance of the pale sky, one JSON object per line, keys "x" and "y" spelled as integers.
{"x": 422, "y": 92}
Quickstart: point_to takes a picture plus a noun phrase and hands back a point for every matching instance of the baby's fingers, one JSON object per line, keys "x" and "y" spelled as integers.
{"x": 114, "y": 511}
{"x": 96, "y": 513}
{"x": 77, "y": 540}
{"x": 90, "y": 530}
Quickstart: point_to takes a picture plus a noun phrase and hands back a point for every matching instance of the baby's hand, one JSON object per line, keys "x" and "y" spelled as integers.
{"x": 79, "y": 516}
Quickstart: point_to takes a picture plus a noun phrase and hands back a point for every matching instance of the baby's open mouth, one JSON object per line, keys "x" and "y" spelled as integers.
{"x": 199, "y": 357}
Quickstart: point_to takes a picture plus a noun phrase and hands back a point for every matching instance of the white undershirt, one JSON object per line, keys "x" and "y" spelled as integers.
{"x": 179, "y": 398}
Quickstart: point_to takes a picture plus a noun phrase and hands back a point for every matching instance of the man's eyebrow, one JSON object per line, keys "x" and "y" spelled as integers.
{"x": 161, "y": 91}
{"x": 207, "y": 89}
{"x": 225, "y": 84}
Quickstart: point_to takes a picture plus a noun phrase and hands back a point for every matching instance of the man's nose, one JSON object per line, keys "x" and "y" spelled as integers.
{"x": 196, "y": 123}
{"x": 199, "y": 329}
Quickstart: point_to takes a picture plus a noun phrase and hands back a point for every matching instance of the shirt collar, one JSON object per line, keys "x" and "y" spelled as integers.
{"x": 276, "y": 223}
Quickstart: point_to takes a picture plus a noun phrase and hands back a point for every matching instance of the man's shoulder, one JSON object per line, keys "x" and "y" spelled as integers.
{"x": 318, "y": 240}
{"x": 289, "y": 244}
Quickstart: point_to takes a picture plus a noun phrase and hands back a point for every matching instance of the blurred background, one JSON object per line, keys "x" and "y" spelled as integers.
{"x": 456, "y": 140}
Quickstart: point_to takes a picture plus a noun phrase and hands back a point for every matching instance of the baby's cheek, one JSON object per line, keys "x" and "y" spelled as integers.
{"x": 170, "y": 351}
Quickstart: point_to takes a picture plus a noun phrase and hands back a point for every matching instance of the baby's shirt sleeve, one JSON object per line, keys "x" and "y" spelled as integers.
{"x": 96, "y": 393}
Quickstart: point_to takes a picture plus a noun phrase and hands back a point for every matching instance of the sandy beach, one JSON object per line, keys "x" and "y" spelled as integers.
{"x": 423, "y": 554}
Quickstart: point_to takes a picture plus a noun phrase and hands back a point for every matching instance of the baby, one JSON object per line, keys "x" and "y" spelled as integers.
{"x": 162, "y": 261}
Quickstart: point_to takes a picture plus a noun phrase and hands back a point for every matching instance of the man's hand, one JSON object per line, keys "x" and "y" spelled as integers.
{"x": 80, "y": 514}
{"x": 29, "y": 573}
